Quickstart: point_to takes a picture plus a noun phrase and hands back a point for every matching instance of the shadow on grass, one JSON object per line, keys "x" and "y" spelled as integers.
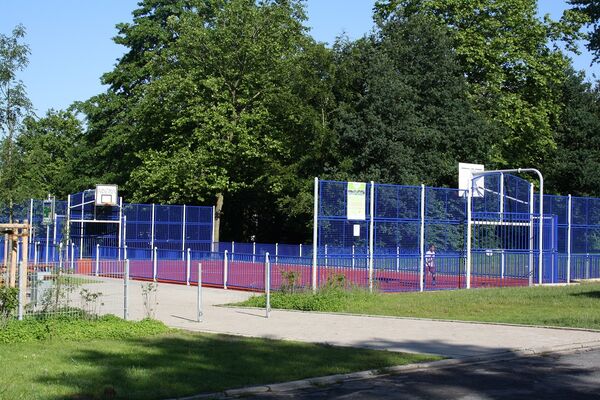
{"x": 593, "y": 294}
{"x": 186, "y": 364}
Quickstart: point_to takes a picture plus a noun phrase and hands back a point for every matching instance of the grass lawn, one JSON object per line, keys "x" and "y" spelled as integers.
{"x": 171, "y": 364}
{"x": 564, "y": 306}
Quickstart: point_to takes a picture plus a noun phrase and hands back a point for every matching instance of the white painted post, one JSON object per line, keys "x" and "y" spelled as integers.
{"x": 120, "y": 234}
{"x": 232, "y": 250}
{"x": 397, "y": 258}
{"x": 253, "y": 251}
{"x": 531, "y": 234}
{"x": 267, "y": 286}
{"x": 35, "y": 253}
{"x": 22, "y": 289}
{"x": 125, "y": 252}
{"x": 47, "y": 243}
{"x": 126, "y": 291}
{"x": 371, "y": 234}
{"x": 72, "y": 256}
{"x": 31, "y": 241}
{"x": 353, "y": 261}
{"x": 212, "y": 234}
{"x": 469, "y": 233}
{"x": 502, "y": 258}
{"x": 152, "y": 229}
{"x": 60, "y": 256}
{"x": 97, "y": 258}
{"x": 54, "y": 238}
{"x": 183, "y": 236}
{"x": 199, "y": 312}
{"x": 225, "y": 268}
{"x": 276, "y": 253}
{"x": 569, "y": 221}
{"x": 315, "y": 234}
{"x": 326, "y": 256}
{"x": 187, "y": 267}
{"x": 422, "y": 240}
{"x": 300, "y": 250}
{"x": 154, "y": 263}
{"x": 81, "y": 228}
{"x": 541, "y": 236}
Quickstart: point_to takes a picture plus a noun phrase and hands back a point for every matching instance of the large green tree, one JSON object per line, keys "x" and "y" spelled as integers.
{"x": 512, "y": 62}
{"x": 591, "y": 9}
{"x": 213, "y": 100}
{"x": 404, "y": 115}
{"x": 14, "y": 106}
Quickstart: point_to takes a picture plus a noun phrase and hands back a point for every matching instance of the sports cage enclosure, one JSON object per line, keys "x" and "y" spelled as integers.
{"x": 365, "y": 234}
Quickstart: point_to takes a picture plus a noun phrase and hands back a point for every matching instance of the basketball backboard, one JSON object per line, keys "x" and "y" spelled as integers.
{"x": 465, "y": 177}
{"x": 107, "y": 195}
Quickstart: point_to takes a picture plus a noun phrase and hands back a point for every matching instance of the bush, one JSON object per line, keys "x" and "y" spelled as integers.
{"x": 9, "y": 301}
{"x": 78, "y": 327}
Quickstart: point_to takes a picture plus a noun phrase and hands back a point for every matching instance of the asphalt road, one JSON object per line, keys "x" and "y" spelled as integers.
{"x": 572, "y": 376}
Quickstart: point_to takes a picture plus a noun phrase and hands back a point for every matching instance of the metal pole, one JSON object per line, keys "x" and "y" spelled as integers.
{"x": 187, "y": 267}
{"x": 119, "y": 237}
{"x": 155, "y": 264}
{"x": 422, "y": 241}
{"x": 97, "y": 258}
{"x": 397, "y": 258}
{"x": 152, "y": 229}
{"x": 276, "y": 253}
{"x": 35, "y": 253}
{"x": 300, "y": 250}
{"x": 502, "y": 258}
{"x": 212, "y": 234}
{"x": 225, "y": 268}
{"x": 569, "y": 221}
{"x": 199, "y": 313}
{"x": 232, "y": 250}
{"x": 267, "y": 286}
{"x": 125, "y": 235}
{"x": 183, "y": 236}
{"x": 54, "y": 237}
{"x": 81, "y": 228}
{"x": 126, "y": 291}
{"x": 315, "y": 237}
{"x": 371, "y": 234}
{"x": 47, "y": 243}
{"x": 72, "y": 257}
{"x": 353, "y": 261}
{"x": 22, "y": 289}
{"x": 325, "y": 256}
{"x": 31, "y": 241}
{"x": 531, "y": 234}
{"x": 68, "y": 227}
{"x": 125, "y": 252}
{"x": 469, "y": 233}
{"x": 253, "y": 251}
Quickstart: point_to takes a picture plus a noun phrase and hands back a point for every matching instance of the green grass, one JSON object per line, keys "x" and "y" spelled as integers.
{"x": 172, "y": 364}
{"x": 565, "y": 306}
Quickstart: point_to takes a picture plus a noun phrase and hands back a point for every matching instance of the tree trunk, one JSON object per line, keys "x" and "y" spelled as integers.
{"x": 217, "y": 221}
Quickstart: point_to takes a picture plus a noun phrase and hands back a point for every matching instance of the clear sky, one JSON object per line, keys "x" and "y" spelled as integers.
{"x": 71, "y": 44}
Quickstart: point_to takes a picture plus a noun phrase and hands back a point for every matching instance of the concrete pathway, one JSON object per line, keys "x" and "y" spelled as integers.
{"x": 177, "y": 308}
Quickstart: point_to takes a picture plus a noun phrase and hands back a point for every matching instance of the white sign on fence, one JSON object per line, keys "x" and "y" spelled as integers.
{"x": 357, "y": 201}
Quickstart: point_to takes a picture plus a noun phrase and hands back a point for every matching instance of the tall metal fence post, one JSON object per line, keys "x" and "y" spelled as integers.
{"x": 353, "y": 261}
{"x": 397, "y": 258}
{"x": 371, "y": 234}
{"x": 183, "y": 235}
{"x": 152, "y": 229}
{"x": 502, "y": 257}
{"x": 276, "y": 253}
{"x": 35, "y": 253}
{"x": 569, "y": 221}
{"x": 97, "y": 258}
{"x": 253, "y": 251}
{"x": 422, "y": 240}
{"x": 587, "y": 266}
{"x": 300, "y": 250}
{"x": 267, "y": 285}
{"x": 531, "y": 234}
{"x": 187, "y": 266}
{"x": 232, "y": 250}
{"x": 315, "y": 237}
{"x": 469, "y": 232}
{"x": 225, "y": 268}
{"x": 125, "y": 252}
{"x": 199, "y": 312}
{"x": 154, "y": 263}
{"x": 126, "y": 291}
{"x": 325, "y": 254}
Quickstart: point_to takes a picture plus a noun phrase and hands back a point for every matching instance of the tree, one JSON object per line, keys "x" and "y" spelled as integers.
{"x": 49, "y": 148}
{"x": 14, "y": 106}
{"x": 591, "y": 9}
{"x": 574, "y": 167}
{"x": 404, "y": 115}
{"x": 512, "y": 63}
{"x": 207, "y": 104}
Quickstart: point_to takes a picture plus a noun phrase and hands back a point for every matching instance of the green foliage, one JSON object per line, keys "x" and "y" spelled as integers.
{"x": 91, "y": 302}
{"x": 591, "y": 10}
{"x": 76, "y": 327}
{"x": 8, "y": 303}
{"x": 290, "y": 280}
{"x": 149, "y": 299}
{"x": 507, "y": 54}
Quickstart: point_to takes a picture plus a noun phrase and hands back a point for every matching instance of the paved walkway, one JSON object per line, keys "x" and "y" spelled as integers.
{"x": 177, "y": 308}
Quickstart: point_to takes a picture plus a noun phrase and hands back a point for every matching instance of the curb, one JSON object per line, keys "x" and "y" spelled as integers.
{"x": 376, "y": 373}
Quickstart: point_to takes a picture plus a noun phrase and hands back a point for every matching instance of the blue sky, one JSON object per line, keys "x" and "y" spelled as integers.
{"x": 71, "y": 44}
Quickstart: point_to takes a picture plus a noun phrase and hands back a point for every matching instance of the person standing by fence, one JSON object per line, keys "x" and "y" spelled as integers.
{"x": 430, "y": 263}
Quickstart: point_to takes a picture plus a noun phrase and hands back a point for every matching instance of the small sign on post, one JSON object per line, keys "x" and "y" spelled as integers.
{"x": 48, "y": 211}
